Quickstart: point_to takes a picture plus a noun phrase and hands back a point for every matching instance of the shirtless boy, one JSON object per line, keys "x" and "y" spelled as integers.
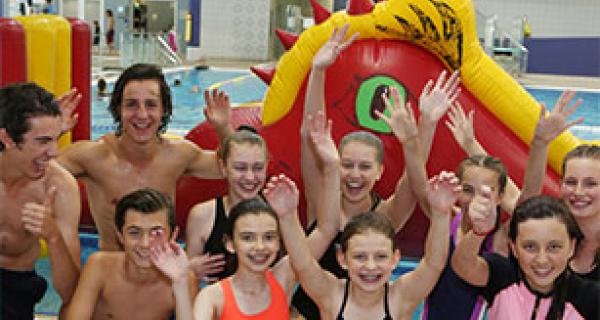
{"x": 38, "y": 200}
{"x": 136, "y": 156}
{"x": 137, "y": 283}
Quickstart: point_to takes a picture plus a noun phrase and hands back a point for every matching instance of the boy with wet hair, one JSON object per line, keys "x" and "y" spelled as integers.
{"x": 151, "y": 274}
{"x": 136, "y": 155}
{"x": 38, "y": 200}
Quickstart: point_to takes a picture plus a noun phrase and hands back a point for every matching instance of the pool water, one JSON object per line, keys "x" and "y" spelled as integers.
{"x": 243, "y": 87}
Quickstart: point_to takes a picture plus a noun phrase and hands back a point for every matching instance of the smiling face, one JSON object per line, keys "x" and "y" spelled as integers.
{"x": 360, "y": 170}
{"x": 39, "y": 145}
{"x": 255, "y": 241}
{"x": 141, "y": 110}
{"x": 140, "y": 230}
{"x": 580, "y": 187}
{"x": 245, "y": 169}
{"x": 473, "y": 178}
{"x": 369, "y": 259}
{"x": 543, "y": 249}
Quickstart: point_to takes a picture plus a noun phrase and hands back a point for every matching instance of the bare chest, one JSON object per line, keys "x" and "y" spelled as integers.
{"x": 122, "y": 300}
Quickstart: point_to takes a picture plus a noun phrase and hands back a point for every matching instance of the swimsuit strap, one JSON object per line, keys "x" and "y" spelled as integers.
{"x": 375, "y": 199}
{"x": 340, "y": 315}
{"x": 386, "y": 305}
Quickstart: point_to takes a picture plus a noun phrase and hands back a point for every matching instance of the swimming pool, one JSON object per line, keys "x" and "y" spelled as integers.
{"x": 243, "y": 87}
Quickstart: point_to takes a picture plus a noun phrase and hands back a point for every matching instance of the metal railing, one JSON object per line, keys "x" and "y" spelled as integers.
{"x": 146, "y": 48}
{"x": 505, "y": 47}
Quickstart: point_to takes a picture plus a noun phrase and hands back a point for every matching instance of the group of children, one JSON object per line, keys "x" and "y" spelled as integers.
{"x": 489, "y": 246}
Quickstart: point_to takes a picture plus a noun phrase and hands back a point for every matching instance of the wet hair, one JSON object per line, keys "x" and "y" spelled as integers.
{"x": 241, "y": 136}
{"x": 581, "y": 151}
{"x": 486, "y": 162}
{"x": 177, "y": 82}
{"x": 21, "y": 102}
{"x": 368, "y": 221}
{"x": 139, "y": 72}
{"x": 109, "y": 12}
{"x": 366, "y": 138}
{"x": 253, "y": 206}
{"x": 145, "y": 201}
{"x": 546, "y": 207}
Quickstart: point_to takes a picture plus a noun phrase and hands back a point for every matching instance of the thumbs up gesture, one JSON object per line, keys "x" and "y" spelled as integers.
{"x": 482, "y": 211}
{"x": 38, "y": 218}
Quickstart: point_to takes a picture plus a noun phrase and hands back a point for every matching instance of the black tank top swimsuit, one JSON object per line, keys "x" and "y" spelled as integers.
{"x": 328, "y": 261}
{"x": 386, "y": 306}
{"x": 215, "y": 244}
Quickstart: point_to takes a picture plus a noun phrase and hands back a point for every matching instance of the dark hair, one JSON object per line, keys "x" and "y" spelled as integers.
{"x": 254, "y": 206}
{"x": 368, "y": 221}
{"x": 109, "y": 12}
{"x": 242, "y": 136}
{"x": 141, "y": 71}
{"x": 581, "y": 151}
{"x": 486, "y": 162}
{"x": 145, "y": 201}
{"x": 21, "y": 102}
{"x": 546, "y": 207}
{"x": 366, "y": 138}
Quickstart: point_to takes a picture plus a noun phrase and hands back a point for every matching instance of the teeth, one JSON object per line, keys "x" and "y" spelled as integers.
{"x": 259, "y": 258}
{"x": 142, "y": 125}
{"x": 354, "y": 184}
{"x": 370, "y": 278}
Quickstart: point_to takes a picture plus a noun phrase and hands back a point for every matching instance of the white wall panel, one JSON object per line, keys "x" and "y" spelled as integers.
{"x": 235, "y": 29}
{"x": 548, "y": 18}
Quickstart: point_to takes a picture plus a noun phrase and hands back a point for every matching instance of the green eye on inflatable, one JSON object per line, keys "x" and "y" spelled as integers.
{"x": 369, "y": 98}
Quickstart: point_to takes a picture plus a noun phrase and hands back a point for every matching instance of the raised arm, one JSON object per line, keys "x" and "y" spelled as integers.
{"x": 314, "y": 102}
{"x": 172, "y": 261}
{"x": 549, "y": 126}
{"x": 282, "y": 195}
{"x": 462, "y": 129}
{"x": 218, "y": 112}
{"x": 56, "y": 221}
{"x": 434, "y": 101}
{"x": 203, "y": 164}
{"x": 466, "y": 261}
{"x": 441, "y": 192}
{"x": 402, "y": 122}
{"x": 68, "y": 104}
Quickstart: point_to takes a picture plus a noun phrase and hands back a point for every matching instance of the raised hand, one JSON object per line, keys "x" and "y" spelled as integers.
{"x": 68, "y": 103}
{"x": 461, "y": 125}
{"x": 442, "y": 191}
{"x": 282, "y": 195}
{"x": 551, "y": 125}
{"x": 483, "y": 211}
{"x": 170, "y": 259}
{"x": 218, "y": 108}
{"x": 401, "y": 118}
{"x": 320, "y": 135}
{"x": 437, "y": 98}
{"x": 329, "y": 52}
{"x": 206, "y": 265}
{"x": 38, "y": 219}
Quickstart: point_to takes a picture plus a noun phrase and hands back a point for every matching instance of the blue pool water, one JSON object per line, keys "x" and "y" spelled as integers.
{"x": 243, "y": 87}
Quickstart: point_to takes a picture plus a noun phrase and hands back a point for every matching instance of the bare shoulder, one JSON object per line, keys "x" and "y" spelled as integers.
{"x": 99, "y": 262}
{"x": 181, "y": 146}
{"x": 202, "y": 215}
{"x": 59, "y": 176}
{"x": 209, "y": 302}
{"x": 84, "y": 150}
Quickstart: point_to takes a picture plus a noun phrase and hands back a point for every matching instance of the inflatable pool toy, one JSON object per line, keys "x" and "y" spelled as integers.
{"x": 404, "y": 43}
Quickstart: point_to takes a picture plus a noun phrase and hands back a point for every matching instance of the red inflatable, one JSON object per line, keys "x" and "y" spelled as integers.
{"x": 364, "y": 61}
{"x": 13, "y": 65}
{"x": 80, "y": 75}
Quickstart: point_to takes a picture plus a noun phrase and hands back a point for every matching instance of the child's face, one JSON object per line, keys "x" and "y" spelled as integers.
{"x": 474, "y": 177}
{"x": 359, "y": 170}
{"x": 543, "y": 249}
{"x": 255, "y": 241}
{"x": 580, "y": 187}
{"x": 246, "y": 170}
{"x": 369, "y": 259}
{"x": 142, "y": 230}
